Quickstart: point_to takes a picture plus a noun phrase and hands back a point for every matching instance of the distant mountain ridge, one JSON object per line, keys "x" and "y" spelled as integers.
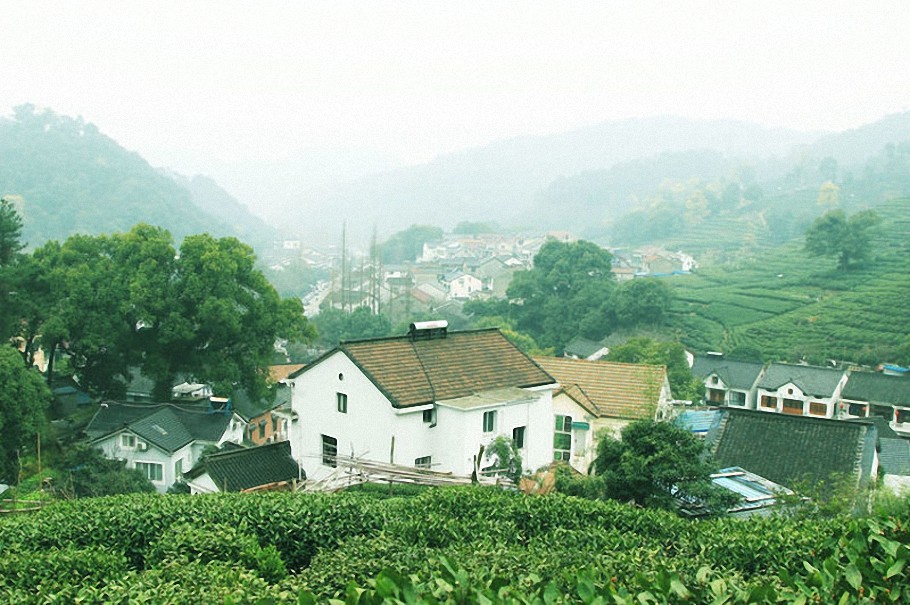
{"x": 70, "y": 178}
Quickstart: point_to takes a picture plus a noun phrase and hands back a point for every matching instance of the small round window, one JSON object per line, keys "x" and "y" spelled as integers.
{"x": 340, "y": 376}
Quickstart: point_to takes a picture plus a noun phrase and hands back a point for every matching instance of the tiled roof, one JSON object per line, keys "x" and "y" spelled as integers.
{"x": 280, "y": 372}
{"x": 815, "y": 381}
{"x": 240, "y": 469}
{"x": 247, "y": 408}
{"x": 168, "y": 426}
{"x": 894, "y": 456}
{"x": 697, "y": 421}
{"x": 582, "y": 347}
{"x": 617, "y": 390}
{"x": 735, "y": 374}
{"x": 877, "y": 388}
{"x": 418, "y": 371}
{"x": 791, "y": 449}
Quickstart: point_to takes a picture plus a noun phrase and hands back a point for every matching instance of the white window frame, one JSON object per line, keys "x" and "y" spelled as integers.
{"x": 560, "y": 453}
{"x": 148, "y": 469}
{"x": 489, "y": 421}
{"x": 128, "y": 441}
{"x": 341, "y": 402}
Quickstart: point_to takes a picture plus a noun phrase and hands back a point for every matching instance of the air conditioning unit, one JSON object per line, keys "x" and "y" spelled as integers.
{"x": 142, "y": 446}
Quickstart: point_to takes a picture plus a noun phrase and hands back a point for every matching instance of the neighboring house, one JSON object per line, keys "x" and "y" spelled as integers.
{"x": 461, "y": 285}
{"x": 794, "y": 450}
{"x": 266, "y": 420}
{"x": 191, "y": 391}
{"x": 496, "y": 273}
{"x": 161, "y": 440}
{"x": 727, "y": 381}
{"x": 427, "y": 399}
{"x": 245, "y": 469}
{"x": 598, "y": 395}
{"x": 582, "y": 348}
{"x": 893, "y": 455}
{"x": 800, "y": 390}
{"x": 872, "y": 394}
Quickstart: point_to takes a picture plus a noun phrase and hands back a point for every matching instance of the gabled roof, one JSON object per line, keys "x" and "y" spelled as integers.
{"x": 247, "y": 408}
{"x": 791, "y": 449}
{"x": 418, "y": 371}
{"x": 894, "y": 456}
{"x": 617, "y": 390}
{"x": 277, "y": 373}
{"x": 877, "y": 388}
{"x": 168, "y": 426}
{"x": 239, "y": 469}
{"x": 582, "y": 347}
{"x": 735, "y": 374}
{"x": 811, "y": 380}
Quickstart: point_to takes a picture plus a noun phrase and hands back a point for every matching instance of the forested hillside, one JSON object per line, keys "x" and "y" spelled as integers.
{"x": 66, "y": 177}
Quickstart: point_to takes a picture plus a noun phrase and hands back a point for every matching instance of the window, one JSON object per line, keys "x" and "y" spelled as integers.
{"x": 152, "y": 470}
{"x": 518, "y": 436}
{"x": 768, "y": 401}
{"x": 128, "y": 441}
{"x": 737, "y": 398}
{"x": 857, "y": 409}
{"x": 901, "y": 415}
{"x": 818, "y": 408}
{"x": 793, "y": 406}
{"x": 429, "y": 417}
{"x": 262, "y": 428}
{"x": 489, "y": 421}
{"x": 178, "y": 468}
{"x": 342, "y": 400}
{"x": 423, "y": 462}
{"x": 329, "y": 451}
{"x": 716, "y": 395}
{"x": 562, "y": 438}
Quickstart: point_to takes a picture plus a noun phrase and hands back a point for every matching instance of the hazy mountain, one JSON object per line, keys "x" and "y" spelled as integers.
{"x": 857, "y": 145}
{"x": 70, "y": 178}
{"x": 499, "y": 182}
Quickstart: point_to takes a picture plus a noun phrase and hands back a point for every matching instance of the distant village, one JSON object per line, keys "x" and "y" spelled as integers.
{"x": 448, "y": 273}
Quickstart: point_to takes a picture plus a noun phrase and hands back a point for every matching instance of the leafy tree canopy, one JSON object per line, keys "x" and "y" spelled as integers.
{"x": 653, "y": 463}
{"x": 87, "y": 473}
{"x": 407, "y": 245}
{"x": 669, "y": 354}
{"x": 568, "y": 292}
{"x": 642, "y": 302}
{"x": 24, "y": 400}
{"x": 130, "y": 299}
{"x": 834, "y": 234}
{"x": 334, "y": 325}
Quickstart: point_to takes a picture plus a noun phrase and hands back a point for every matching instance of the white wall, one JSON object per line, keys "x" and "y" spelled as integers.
{"x": 112, "y": 448}
{"x": 370, "y": 423}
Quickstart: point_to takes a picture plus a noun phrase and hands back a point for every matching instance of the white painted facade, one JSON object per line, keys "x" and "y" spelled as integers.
{"x": 790, "y": 399}
{"x": 464, "y": 286}
{"x": 132, "y": 449}
{"x": 450, "y": 432}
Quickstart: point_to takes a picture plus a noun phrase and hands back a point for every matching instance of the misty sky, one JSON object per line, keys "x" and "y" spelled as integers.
{"x": 193, "y": 84}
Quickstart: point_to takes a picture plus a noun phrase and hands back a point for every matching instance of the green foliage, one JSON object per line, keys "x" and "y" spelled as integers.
{"x": 566, "y": 293}
{"x": 461, "y": 545}
{"x": 129, "y": 299}
{"x": 654, "y": 464}
{"x": 407, "y": 245}
{"x": 642, "y": 302}
{"x": 833, "y": 234}
{"x": 505, "y": 457}
{"x": 672, "y": 355}
{"x": 87, "y": 473}
{"x": 24, "y": 400}
{"x": 334, "y": 325}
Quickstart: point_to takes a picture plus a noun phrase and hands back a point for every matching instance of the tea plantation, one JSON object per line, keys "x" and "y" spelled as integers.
{"x": 461, "y": 545}
{"x": 792, "y": 306}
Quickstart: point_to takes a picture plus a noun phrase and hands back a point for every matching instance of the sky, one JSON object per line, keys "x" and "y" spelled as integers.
{"x": 199, "y": 85}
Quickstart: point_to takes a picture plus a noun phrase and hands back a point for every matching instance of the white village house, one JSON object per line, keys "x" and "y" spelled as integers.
{"x": 428, "y": 399}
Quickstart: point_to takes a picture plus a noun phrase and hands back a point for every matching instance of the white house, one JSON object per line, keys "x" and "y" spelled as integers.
{"x": 161, "y": 440}
{"x": 462, "y": 285}
{"x": 428, "y": 399}
{"x": 800, "y": 390}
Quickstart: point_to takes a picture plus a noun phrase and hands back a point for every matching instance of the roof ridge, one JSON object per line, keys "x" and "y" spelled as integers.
{"x": 408, "y": 336}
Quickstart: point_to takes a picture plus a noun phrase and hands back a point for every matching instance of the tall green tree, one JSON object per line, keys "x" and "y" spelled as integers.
{"x": 24, "y": 400}
{"x": 10, "y": 247}
{"x": 654, "y": 463}
{"x": 848, "y": 239}
{"x": 642, "y": 302}
{"x": 567, "y": 293}
{"x": 407, "y": 245}
{"x": 131, "y": 300}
